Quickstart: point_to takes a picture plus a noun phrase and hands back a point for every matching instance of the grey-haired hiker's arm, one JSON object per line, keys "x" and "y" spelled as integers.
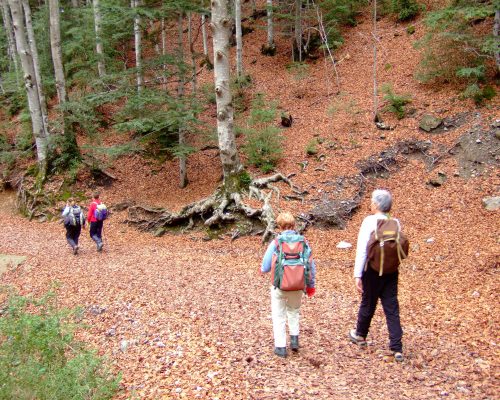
{"x": 65, "y": 211}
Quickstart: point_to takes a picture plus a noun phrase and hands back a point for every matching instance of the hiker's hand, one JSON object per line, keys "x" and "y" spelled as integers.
{"x": 310, "y": 291}
{"x": 359, "y": 285}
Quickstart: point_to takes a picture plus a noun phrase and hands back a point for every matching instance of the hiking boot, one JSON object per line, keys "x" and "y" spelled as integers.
{"x": 75, "y": 250}
{"x": 356, "y": 339}
{"x": 280, "y": 351}
{"x": 294, "y": 342}
{"x": 99, "y": 246}
{"x": 398, "y": 356}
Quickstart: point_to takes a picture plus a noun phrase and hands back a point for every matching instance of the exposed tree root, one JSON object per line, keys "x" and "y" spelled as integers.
{"x": 219, "y": 209}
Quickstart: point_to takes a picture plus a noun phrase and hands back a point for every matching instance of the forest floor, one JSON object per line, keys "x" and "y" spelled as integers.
{"x": 184, "y": 317}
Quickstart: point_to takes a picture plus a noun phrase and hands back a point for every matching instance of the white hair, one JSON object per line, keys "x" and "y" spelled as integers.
{"x": 382, "y": 200}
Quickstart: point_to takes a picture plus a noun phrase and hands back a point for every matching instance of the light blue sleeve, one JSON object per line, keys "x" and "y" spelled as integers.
{"x": 312, "y": 281}
{"x": 268, "y": 257}
{"x": 65, "y": 211}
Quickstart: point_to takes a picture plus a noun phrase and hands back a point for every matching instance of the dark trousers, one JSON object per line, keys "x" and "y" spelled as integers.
{"x": 384, "y": 287}
{"x": 72, "y": 234}
{"x": 96, "y": 231}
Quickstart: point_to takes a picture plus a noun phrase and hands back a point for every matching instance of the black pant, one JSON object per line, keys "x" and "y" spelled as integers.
{"x": 72, "y": 234}
{"x": 96, "y": 231}
{"x": 384, "y": 287}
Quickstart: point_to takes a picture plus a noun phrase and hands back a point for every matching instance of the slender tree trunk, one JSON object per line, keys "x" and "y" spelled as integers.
{"x": 164, "y": 51}
{"x": 183, "y": 180}
{"x": 375, "y": 39}
{"x": 204, "y": 34}
{"x": 7, "y": 22}
{"x": 55, "y": 47}
{"x": 221, "y": 23}
{"x": 298, "y": 28}
{"x": 1, "y": 85}
{"x": 36, "y": 64}
{"x": 270, "y": 24}
{"x": 191, "y": 51}
{"x": 101, "y": 66}
{"x": 41, "y": 139}
{"x": 254, "y": 7}
{"x": 496, "y": 32}
{"x": 75, "y": 3}
{"x": 138, "y": 47}
{"x": 239, "y": 41}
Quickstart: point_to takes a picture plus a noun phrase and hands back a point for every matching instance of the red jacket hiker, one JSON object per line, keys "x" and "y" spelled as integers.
{"x": 92, "y": 207}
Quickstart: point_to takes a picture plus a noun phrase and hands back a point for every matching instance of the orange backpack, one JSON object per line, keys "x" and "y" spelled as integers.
{"x": 291, "y": 263}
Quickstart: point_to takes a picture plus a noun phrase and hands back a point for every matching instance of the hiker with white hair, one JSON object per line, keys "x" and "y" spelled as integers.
{"x": 380, "y": 248}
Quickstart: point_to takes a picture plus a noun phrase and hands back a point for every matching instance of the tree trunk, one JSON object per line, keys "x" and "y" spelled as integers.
{"x": 41, "y": 139}
{"x": 270, "y": 25}
{"x": 496, "y": 31}
{"x": 1, "y": 85}
{"x": 375, "y": 39}
{"x": 138, "y": 46}
{"x": 75, "y": 3}
{"x": 204, "y": 34}
{"x": 164, "y": 52}
{"x": 183, "y": 180}
{"x": 239, "y": 42}
{"x": 221, "y": 23}
{"x": 298, "y": 29}
{"x": 36, "y": 65}
{"x": 7, "y": 22}
{"x": 101, "y": 67}
{"x": 191, "y": 51}
{"x": 55, "y": 48}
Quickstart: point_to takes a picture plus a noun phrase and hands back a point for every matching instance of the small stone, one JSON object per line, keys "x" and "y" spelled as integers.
{"x": 343, "y": 245}
{"x": 430, "y": 240}
{"x": 430, "y": 122}
{"x": 475, "y": 293}
{"x": 161, "y": 344}
{"x": 124, "y": 345}
{"x": 491, "y": 203}
{"x": 478, "y": 141}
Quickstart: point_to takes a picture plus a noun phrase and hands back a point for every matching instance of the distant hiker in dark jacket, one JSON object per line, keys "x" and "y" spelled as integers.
{"x": 371, "y": 286}
{"x": 96, "y": 216}
{"x": 285, "y": 304}
{"x": 74, "y": 220}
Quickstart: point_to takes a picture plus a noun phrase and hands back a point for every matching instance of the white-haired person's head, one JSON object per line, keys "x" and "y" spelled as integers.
{"x": 382, "y": 200}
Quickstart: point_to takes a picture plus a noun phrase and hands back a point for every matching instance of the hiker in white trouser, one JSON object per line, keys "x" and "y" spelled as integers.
{"x": 285, "y": 304}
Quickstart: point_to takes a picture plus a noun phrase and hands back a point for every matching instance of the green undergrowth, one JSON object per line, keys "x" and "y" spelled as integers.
{"x": 40, "y": 357}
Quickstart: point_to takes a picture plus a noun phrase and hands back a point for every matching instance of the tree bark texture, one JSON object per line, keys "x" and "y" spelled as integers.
{"x": 183, "y": 180}
{"x": 191, "y": 52}
{"x": 55, "y": 48}
{"x": 138, "y": 47}
{"x": 496, "y": 32}
{"x": 239, "y": 41}
{"x": 298, "y": 29}
{"x": 221, "y": 24}
{"x": 204, "y": 34}
{"x": 41, "y": 139}
{"x": 7, "y": 22}
{"x": 101, "y": 66}
{"x": 270, "y": 25}
{"x": 36, "y": 64}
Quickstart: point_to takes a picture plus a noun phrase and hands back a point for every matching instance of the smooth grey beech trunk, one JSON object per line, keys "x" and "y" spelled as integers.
{"x": 270, "y": 24}
{"x": 496, "y": 32}
{"x": 183, "y": 179}
{"x": 56, "y": 50}
{"x": 239, "y": 40}
{"x": 221, "y": 27}
{"x": 11, "y": 41}
{"x": 23, "y": 50}
{"x": 36, "y": 64}
{"x": 138, "y": 47}
{"x": 101, "y": 66}
{"x": 204, "y": 34}
{"x": 298, "y": 28}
